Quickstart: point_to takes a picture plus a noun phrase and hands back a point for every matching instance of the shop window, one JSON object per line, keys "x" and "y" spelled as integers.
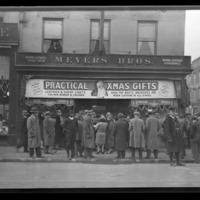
{"x": 146, "y": 43}
{"x": 95, "y": 37}
{"x": 52, "y": 40}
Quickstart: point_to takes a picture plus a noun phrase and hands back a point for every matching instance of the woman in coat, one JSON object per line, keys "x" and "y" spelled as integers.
{"x": 136, "y": 128}
{"x": 34, "y": 138}
{"x": 174, "y": 138}
{"x": 49, "y": 133}
{"x": 101, "y": 127}
{"x": 121, "y": 135}
{"x": 88, "y": 135}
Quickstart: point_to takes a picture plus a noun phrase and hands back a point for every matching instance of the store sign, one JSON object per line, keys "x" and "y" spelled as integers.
{"x": 9, "y": 33}
{"x": 154, "y": 103}
{"x": 109, "y": 89}
{"x": 49, "y": 102}
{"x": 67, "y": 60}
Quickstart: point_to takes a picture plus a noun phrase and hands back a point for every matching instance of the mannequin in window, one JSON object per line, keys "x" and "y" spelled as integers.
{"x": 55, "y": 47}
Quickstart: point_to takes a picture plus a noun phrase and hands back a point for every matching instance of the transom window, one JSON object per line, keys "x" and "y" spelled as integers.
{"x": 146, "y": 44}
{"x": 52, "y": 42}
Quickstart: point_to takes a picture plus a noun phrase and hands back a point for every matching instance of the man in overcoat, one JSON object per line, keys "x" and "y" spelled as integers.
{"x": 34, "y": 138}
{"x": 23, "y": 137}
{"x": 173, "y": 135}
{"x": 136, "y": 128}
{"x": 70, "y": 128}
{"x": 195, "y": 137}
{"x": 152, "y": 127}
{"x": 121, "y": 135}
{"x": 88, "y": 134}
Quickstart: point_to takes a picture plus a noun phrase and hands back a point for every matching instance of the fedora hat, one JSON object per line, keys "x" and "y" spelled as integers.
{"x": 34, "y": 110}
{"x": 136, "y": 113}
{"x": 47, "y": 113}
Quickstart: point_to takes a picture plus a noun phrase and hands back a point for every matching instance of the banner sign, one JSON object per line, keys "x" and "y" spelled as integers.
{"x": 108, "y": 89}
{"x": 81, "y": 60}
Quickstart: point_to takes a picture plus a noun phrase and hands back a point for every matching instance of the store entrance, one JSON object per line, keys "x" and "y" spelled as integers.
{"x": 102, "y": 106}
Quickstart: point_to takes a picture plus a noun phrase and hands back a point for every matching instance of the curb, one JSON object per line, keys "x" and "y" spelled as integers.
{"x": 88, "y": 161}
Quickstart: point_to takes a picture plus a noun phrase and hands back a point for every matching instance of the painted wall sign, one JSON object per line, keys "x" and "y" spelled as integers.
{"x": 9, "y": 33}
{"x": 64, "y": 60}
{"x": 109, "y": 89}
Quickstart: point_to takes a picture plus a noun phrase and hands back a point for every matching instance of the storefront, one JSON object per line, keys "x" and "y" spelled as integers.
{"x": 114, "y": 83}
{"x": 9, "y": 40}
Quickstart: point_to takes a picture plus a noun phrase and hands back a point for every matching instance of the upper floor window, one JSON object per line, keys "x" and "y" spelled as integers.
{"x": 146, "y": 42}
{"x": 52, "y": 41}
{"x": 96, "y": 34}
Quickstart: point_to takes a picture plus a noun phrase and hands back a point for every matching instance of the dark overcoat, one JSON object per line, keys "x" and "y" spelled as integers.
{"x": 109, "y": 134}
{"x": 121, "y": 134}
{"x": 80, "y": 131}
{"x": 88, "y": 133}
{"x": 70, "y": 128}
{"x": 58, "y": 130}
{"x": 173, "y": 134}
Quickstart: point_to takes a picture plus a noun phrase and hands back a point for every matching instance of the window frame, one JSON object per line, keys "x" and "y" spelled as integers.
{"x": 156, "y": 35}
{"x": 109, "y": 33}
{"x": 43, "y": 29}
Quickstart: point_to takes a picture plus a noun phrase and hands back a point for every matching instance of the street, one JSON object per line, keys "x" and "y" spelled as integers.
{"x": 80, "y": 175}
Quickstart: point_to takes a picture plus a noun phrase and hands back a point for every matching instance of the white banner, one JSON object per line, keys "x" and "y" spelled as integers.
{"x": 109, "y": 89}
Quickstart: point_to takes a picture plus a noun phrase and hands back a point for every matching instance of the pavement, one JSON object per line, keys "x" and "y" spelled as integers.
{"x": 9, "y": 154}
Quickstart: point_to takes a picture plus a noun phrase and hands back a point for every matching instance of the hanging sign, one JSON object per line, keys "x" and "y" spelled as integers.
{"x": 109, "y": 89}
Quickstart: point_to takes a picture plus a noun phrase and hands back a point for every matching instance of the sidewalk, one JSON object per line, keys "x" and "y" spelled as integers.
{"x": 9, "y": 154}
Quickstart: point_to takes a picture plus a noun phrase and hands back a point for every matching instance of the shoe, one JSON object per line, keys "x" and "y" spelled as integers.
{"x": 102, "y": 152}
{"x": 47, "y": 152}
{"x": 172, "y": 164}
{"x": 91, "y": 157}
{"x": 40, "y": 157}
{"x": 180, "y": 164}
{"x": 54, "y": 152}
{"x": 97, "y": 152}
{"x": 73, "y": 159}
{"x": 32, "y": 157}
{"x": 156, "y": 160}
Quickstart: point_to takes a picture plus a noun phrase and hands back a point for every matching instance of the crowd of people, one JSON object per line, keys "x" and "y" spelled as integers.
{"x": 84, "y": 133}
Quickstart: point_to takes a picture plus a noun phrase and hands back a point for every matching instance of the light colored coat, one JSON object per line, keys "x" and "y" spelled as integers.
{"x": 101, "y": 133}
{"x": 153, "y": 128}
{"x": 34, "y": 138}
{"x": 136, "y": 128}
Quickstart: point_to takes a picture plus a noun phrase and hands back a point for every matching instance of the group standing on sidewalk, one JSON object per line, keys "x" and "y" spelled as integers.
{"x": 81, "y": 136}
